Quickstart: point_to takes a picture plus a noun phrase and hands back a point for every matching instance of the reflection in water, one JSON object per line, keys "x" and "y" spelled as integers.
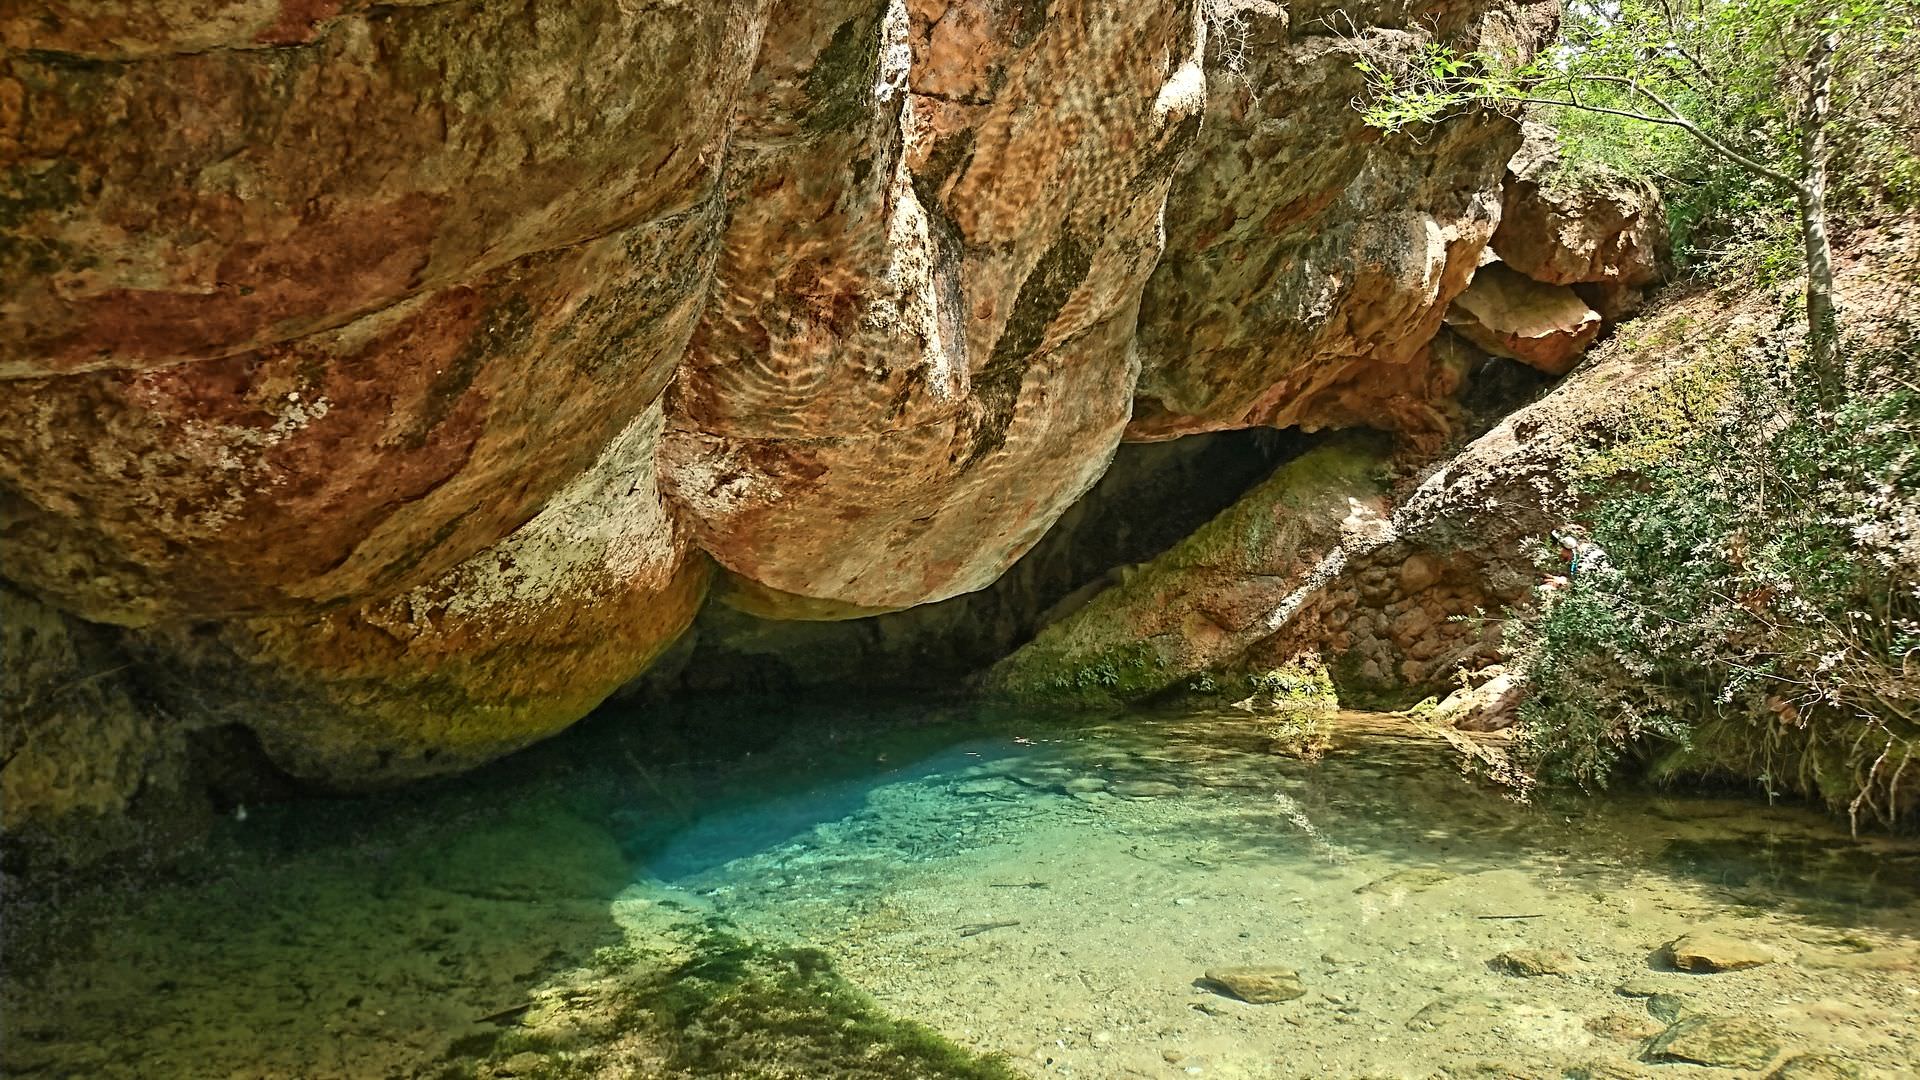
{"x": 1044, "y": 889}
{"x": 1808, "y": 869}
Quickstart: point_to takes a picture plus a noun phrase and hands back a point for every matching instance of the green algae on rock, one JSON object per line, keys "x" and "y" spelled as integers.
{"x": 1197, "y": 607}
{"x": 1704, "y": 952}
{"x": 1728, "y": 1042}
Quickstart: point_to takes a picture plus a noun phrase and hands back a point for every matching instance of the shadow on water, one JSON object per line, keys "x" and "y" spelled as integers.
{"x": 406, "y": 933}
{"x": 1407, "y": 801}
{"x": 738, "y": 828}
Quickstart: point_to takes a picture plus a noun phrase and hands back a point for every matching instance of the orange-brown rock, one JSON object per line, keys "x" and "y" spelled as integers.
{"x": 508, "y": 647}
{"x": 334, "y": 367}
{"x": 349, "y": 464}
{"x": 383, "y": 371}
{"x": 1309, "y": 261}
{"x": 917, "y": 352}
{"x": 1604, "y": 233}
{"x": 1509, "y": 314}
{"x": 204, "y": 204}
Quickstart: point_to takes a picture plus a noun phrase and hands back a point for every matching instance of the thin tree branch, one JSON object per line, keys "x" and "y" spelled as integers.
{"x": 1679, "y": 120}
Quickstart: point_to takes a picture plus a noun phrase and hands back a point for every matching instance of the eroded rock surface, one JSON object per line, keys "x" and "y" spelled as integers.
{"x": 1606, "y": 235}
{"x": 508, "y": 647}
{"x": 392, "y": 376}
{"x": 206, "y": 203}
{"x": 351, "y": 464}
{"x": 1309, "y": 261}
{"x": 1147, "y": 502}
{"x": 917, "y": 357}
{"x": 1509, "y": 314}
{"x": 1234, "y": 583}
{"x": 77, "y": 748}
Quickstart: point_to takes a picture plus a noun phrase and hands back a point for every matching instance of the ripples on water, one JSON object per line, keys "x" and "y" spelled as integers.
{"x": 928, "y": 891}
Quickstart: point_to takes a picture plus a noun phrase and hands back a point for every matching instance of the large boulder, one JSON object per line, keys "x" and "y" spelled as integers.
{"x": 335, "y": 367}
{"x": 295, "y": 327}
{"x": 1148, "y": 501}
{"x": 917, "y": 354}
{"x": 1238, "y": 580}
{"x": 508, "y": 647}
{"x": 390, "y": 377}
{"x": 1310, "y": 259}
{"x": 77, "y": 748}
{"x": 1509, "y": 314}
{"x": 1603, "y": 233}
{"x": 349, "y": 464}
{"x": 194, "y": 204}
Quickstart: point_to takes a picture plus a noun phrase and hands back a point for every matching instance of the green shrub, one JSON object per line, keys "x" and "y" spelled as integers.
{"x": 1760, "y": 615}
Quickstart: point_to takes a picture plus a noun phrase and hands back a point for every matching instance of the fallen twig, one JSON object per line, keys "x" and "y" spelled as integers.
{"x": 971, "y": 929}
{"x": 509, "y": 1013}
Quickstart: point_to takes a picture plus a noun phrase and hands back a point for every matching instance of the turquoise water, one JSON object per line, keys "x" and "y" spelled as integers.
{"x": 893, "y": 890}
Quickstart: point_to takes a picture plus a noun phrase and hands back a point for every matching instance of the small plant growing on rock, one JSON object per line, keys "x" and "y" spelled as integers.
{"x": 1298, "y": 701}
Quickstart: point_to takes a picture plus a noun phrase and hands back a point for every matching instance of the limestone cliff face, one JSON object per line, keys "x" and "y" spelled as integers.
{"x": 1309, "y": 261}
{"x": 916, "y": 354}
{"x": 394, "y": 377}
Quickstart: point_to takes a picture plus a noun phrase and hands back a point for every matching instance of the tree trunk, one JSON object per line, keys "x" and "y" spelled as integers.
{"x": 1822, "y": 325}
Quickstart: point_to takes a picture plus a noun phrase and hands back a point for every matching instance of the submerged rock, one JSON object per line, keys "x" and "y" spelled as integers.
{"x": 1610, "y": 1070}
{"x": 1258, "y": 985}
{"x": 1815, "y": 1067}
{"x": 1453, "y": 1009}
{"x": 1671, "y": 1008}
{"x": 1617, "y": 1026}
{"x": 1705, "y": 952}
{"x": 992, "y": 787}
{"x": 1144, "y": 789}
{"x": 1412, "y": 879}
{"x": 1728, "y": 1042}
{"x": 1531, "y": 963}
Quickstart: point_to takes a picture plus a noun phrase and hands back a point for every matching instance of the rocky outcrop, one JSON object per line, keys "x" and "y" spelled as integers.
{"x": 1152, "y": 497}
{"x": 918, "y": 357}
{"x": 1309, "y": 260}
{"x": 392, "y": 377}
{"x": 1606, "y": 235}
{"x": 80, "y": 755}
{"x": 508, "y": 647}
{"x": 1509, "y": 314}
{"x": 176, "y": 198}
{"x": 1206, "y": 602}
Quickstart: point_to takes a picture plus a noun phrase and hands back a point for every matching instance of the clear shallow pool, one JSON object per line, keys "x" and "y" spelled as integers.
{"x": 1047, "y": 895}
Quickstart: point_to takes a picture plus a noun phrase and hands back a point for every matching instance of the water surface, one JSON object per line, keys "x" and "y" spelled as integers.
{"x": 1046, "y": 893}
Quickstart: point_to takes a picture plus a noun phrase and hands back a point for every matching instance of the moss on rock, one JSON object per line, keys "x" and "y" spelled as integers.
{"x": 1197, "y": 608}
